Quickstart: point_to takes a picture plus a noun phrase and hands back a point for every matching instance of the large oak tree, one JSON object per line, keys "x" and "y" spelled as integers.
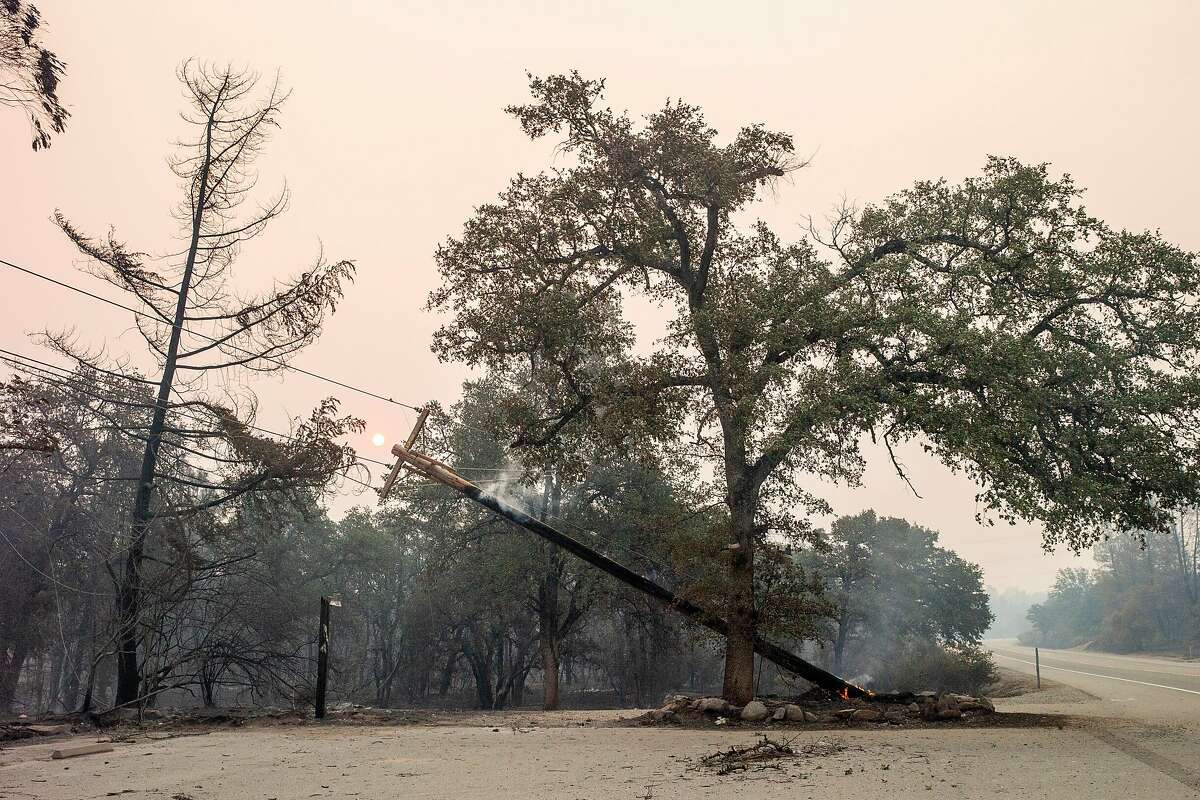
{"x": 1018, "y": 338}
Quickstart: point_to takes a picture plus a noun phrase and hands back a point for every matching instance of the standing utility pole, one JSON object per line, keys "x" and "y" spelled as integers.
{"x": 323, "y": 654}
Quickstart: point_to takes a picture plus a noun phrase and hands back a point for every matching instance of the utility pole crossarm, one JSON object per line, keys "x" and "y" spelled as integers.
{"x": 444, "y": 474}
{"x": 390, "y": 481}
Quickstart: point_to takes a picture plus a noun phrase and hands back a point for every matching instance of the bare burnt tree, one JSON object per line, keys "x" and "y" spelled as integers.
{"x": 200, "y": 448}
{"x": 29, "y": 73}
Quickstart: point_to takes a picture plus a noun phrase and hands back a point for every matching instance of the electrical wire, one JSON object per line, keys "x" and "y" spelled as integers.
{"x": 47, "y": 576}
{"x": 283, "y": 364}
{"x": 159, "y": 320}
{"x": 280, "y": 362}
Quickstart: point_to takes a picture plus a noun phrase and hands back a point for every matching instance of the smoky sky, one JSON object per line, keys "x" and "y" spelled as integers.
{"x": 395, "y": 131}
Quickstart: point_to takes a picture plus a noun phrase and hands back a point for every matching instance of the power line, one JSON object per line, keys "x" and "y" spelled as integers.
{"x": 70, "y": 379}
{"x": 272, "y": 359}
{"x": 69, "y": 383}
{"x": 35, "y": 568}
{"x": 54, "y": 372}
{"x": 234, "y": 347}
{"x": 281, "y": 363}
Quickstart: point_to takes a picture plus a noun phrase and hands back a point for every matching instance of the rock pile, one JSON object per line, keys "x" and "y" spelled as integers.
{"x": 822, "y": 708}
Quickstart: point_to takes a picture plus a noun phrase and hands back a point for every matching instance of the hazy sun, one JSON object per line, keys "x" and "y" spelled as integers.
{"x": 377, "y": 440}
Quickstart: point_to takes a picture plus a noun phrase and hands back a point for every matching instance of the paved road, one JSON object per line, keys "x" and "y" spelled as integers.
{"x": 1154, "y": 691}
{"x": 1145, "y": 707}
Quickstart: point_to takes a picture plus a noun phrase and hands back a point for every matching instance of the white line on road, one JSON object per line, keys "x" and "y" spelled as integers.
{"x": 1097, "y": 675}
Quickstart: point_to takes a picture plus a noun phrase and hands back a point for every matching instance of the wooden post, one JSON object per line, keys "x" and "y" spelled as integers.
{"x": 323, "y": 654}
{"x": 1037, "y": 665}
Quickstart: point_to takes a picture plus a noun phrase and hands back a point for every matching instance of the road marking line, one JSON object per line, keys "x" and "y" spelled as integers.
{"x": 1097, "y": 675}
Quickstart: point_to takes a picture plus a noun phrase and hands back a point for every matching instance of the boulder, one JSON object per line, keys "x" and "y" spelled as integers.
{"x": 977, "y": 704}
{"x": 780, "y": 714}
{"x": 811, "y": 717}
{"x": 866, "y": 715}
{"x": 676, "y": 704}
{"x": 711, "y": 705}
{"x": 947, "y": 707}
{"x": 794, "y": 713}
{"x": 755, "y": 711}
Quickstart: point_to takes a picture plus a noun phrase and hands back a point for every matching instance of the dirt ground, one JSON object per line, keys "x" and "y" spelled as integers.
{"x": 599, "y": 755}
{"x": 473, "y": 763}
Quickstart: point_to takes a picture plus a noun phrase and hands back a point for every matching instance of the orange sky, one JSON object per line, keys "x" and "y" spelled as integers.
{"x": 395, "y": 130}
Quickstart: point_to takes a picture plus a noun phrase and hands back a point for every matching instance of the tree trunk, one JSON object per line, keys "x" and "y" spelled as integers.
{"x": 481, "y": 670}
{"x": 10, "y": 672}
{"x": 58, "y": 658}
{"x": 550, "y": 695}
{"x": 738, "y": 685}
{"x": 129, "y": 597}
{"x": 839, "y": 644}
{"x": 129, "y": 608}
{"x": 38, "y": 690}
{"x": 548, "y": 622}
{"x": 518, "y": 689}
{"x": 548, "y": 594}
{"x": 448, "y": 671}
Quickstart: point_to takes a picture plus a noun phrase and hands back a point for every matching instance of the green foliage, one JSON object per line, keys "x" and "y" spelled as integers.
{"x": 1145, "y": 595}
{"x": 1016, "y": 337}
{"x": 894, "y": 589}
{"x": 920, "y": 665}
{"x": 1049, "y": 355}
{"x": 1070, "y": 615}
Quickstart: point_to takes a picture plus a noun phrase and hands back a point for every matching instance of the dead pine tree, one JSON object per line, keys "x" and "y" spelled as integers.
{"x": 29, "y": 73}
{"x": 197, "y": 327}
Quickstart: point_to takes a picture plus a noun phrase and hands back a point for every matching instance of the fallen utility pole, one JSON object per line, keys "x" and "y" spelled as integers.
{"x": 442, "y": 473}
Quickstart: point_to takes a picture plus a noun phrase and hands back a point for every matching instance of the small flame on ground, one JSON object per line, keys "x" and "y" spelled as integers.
{"x": 845, "y": 693}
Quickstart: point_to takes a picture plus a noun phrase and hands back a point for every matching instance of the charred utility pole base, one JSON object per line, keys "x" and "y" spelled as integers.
{"x": 323, "y": 655}
{"x": 443, "y": 474}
